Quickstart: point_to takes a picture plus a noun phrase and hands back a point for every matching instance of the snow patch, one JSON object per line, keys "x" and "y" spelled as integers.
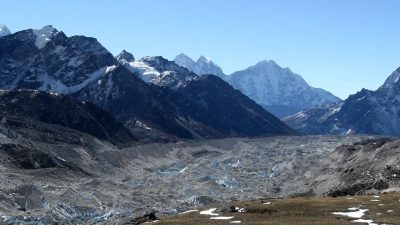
{"x": 189, "y": 211}
{"x": 155, "y": 221}
{"x": 210, "y": 212}
{"x": 50, "y": 84}
{"x": 241, "y": 210}
{"x": 221, "y": 218}
{"x": 43, "y": 36}
{"x": 357, "y": 214}
{"x": 145, "y": 71}
{"x": 353, "y": 209}
{"x": 141, "y": 124}
{"x": 369, "y": 222}
{"x": 354, "y": 214}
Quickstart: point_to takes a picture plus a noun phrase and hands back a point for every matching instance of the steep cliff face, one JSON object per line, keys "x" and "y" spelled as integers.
{"x": 278, "y": 89}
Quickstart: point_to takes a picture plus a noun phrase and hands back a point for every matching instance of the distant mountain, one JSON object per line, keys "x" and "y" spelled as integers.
{"x": 366, "y": 112}
{"x": 202, "y": 66}
{"x": 277, "y": 89}
{"x": 4, "y": 30}
{"x": 208, "y": 100}
{"x": 125, "y": 56}
{"x": 47, "y": 60}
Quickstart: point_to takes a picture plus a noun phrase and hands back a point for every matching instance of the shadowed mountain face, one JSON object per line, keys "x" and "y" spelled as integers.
{"x": 143, "y": 108}
{"x": 23, "y": 108}
{"x": 215, "y": 103}
{"x": 45, "y": 59}
{"x": 366, "y": 112}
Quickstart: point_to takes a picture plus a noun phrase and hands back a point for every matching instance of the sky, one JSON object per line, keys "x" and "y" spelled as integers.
{"x": 339, "y": 45}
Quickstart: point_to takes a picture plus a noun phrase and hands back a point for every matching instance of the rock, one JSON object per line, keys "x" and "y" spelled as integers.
{"x": 148, "y": 217}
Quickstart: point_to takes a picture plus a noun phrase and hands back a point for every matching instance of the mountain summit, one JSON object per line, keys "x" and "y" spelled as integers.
{"x": 4, "y": 30}
{"x": 202, "y": 66}
{"x": 124, "y": 55}
{"x": 277, "y": 89}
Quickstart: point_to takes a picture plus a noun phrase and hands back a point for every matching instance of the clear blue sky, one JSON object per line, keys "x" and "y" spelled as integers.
{"x": 339, "y": 45}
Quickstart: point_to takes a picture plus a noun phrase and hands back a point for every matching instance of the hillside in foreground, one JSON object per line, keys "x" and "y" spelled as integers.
{"x": 366, "y": 209}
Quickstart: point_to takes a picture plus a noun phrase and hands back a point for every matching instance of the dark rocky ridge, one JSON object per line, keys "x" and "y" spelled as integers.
{"x": 21, "y": 108}
{"x": 215, "y": 103}
{"x": 134, "y": 102}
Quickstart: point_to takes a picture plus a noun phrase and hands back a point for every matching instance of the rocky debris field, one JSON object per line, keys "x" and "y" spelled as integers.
{"x": 88, "y": 181}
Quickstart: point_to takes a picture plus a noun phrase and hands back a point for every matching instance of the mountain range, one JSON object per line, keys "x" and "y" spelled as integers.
{"x": 366, "y": 112}
{"x": 284, "y": 93}
{"x": 157, "y": 99}
{"x": 277, "y": 89}
{"x": 154, "y": 98}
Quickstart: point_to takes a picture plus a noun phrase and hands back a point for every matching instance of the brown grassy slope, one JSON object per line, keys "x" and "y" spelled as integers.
{"x": 301, "y": 211}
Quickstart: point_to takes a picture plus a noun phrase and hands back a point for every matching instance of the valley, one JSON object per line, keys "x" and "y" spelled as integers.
{"x": 108, "y": 185}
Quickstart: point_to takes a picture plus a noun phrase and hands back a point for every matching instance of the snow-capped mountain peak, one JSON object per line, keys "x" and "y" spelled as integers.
{"x": 392, "y": 79}
{"x": 204, "y": 59}
{"x": 278, "y": 89}
{"x": 44, "y": 35}
{"x": 4, "y": 30}
{"x": 202, "y": 66}
{"x": 268, "y": 63}
{"x": 124, "y": 55}
{"x": 182, "y": 58}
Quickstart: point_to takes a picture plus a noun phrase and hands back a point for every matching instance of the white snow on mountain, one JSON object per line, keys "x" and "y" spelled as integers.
{"x": 43, "y": 35}
{"x": 392, "y": 79}
{"x": 145, "y": 71}
{"x": 366, "y": 112}
{"x": 202, "y": 66}
{"x": 278, "y": 89}
{"x": 4, "y": 30}
{"x": 52, "y": 85}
